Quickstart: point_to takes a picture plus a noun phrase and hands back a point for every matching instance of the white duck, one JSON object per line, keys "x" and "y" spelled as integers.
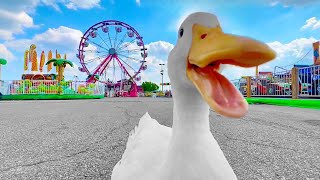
{"x": 189, "y": 150}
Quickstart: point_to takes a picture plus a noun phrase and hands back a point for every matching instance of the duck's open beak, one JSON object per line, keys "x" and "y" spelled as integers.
{"x": 210, "y": 48}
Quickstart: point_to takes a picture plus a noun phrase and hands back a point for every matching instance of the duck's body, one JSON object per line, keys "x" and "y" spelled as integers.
{"x": 188, "y": 150}
{"x": 148, "y": 139}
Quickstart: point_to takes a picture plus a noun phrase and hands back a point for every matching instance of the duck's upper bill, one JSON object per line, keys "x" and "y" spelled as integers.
{"x": 212, "y": 47}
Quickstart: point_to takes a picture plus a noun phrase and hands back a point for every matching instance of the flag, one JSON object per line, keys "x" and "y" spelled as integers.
{"x": 316, "y": 59}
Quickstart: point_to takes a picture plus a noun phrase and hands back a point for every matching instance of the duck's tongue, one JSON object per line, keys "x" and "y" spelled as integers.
{"x": 218, "y": 91}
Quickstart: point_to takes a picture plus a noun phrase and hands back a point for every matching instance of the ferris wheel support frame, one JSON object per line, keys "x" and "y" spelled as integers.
{"x": 103, "y": 65}
{"x": 121, "y": 66}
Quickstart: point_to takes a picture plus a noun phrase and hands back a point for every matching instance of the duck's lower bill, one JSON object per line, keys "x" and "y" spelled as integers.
{"x": 221, "y": 95}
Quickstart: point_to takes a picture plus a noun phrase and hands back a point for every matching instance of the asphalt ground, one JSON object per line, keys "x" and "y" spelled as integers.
{"x": 84, "y": 139}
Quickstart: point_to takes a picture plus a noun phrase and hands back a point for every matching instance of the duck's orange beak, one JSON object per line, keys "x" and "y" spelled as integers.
{"x": 212, "y": 47}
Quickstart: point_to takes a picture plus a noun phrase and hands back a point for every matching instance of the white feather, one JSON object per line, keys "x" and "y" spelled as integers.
{"x": 145, "y": 151}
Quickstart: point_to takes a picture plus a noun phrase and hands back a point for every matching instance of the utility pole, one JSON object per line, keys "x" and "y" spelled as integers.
{"x": 161, "y": 72}
{"x": 75, "y": 81}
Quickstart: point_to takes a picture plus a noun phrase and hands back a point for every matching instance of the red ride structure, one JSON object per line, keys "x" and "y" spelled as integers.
{"x": 112, "y": 52}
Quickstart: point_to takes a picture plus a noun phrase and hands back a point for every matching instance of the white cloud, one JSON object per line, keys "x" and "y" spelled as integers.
{"x": 30, "y": 5}
{"x": 274, "y": 3}
{"x": 287, "y": 3}
{"x": 5, "y": 53}
{"x": 18, "y": 5}
{"x": 296, "y": 48}
{"x": 63, "y": 37}
{"x": 6, "y": 35}
{"x": 158, "y": 53}
{"x": 13, "y": 23}
{"x": 82, "y": 4}
{"x": 16, "y": 15}
{"x": 311, "y": 23}
{"x": 159, "y": 49}
{"x": 52, "y": 3}
{"x": 138, "y": 2}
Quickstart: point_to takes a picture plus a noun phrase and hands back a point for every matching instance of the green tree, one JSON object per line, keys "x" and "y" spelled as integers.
{"x": 60, "y": 65}
{"x": 149, "y": 86}
{"x": 2, "y": 62}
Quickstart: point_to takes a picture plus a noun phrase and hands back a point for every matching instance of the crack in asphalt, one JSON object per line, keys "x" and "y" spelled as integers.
{"x": 254, "y": 142}
{"x": 105, "y": 137}
{"x": 259, "y": 144}
{"x": 257, "y": 158}
{"x": 288, "y": 128}
{"x": 44, "y": 161}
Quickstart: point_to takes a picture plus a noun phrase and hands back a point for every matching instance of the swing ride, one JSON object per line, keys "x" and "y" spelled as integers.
{"x": 112, "y": 52}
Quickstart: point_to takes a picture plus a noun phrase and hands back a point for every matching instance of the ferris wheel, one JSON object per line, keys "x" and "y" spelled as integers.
{"x": 112, "y": 52}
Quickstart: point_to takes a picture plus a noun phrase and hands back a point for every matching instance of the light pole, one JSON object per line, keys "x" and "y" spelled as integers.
{"x": 75, "y": 81}
{"x": 2, "y": 62}
{"x": 161, "y": 72}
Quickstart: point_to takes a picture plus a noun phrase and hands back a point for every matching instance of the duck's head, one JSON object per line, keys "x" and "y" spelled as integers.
{"x": 194, "y": 63}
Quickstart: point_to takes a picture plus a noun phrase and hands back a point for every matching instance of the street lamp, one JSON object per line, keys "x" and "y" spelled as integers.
{"x": 75, "y": 80}
{"x": 161, "y": 72}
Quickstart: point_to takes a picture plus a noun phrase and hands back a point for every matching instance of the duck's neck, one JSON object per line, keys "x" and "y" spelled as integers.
{"x": 193, "y": 153}
{"x": 191, "y": 112}
{"x": 190, "y": 148}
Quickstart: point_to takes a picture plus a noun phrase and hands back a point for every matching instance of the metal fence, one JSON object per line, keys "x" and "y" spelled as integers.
{"x": 309, "y": 81}
{"x": 304, "y": 82}
{"x": 238, "y": 83}
{"x": 275, "y": 85}
{"x": 49, "y": 87}
{"x": 297, "y": 83}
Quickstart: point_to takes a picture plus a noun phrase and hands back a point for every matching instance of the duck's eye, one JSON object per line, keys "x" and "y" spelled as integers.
{"x": 181, "y": 32}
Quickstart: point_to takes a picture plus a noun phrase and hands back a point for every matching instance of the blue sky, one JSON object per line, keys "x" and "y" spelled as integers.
{"x": 288, "y": 26}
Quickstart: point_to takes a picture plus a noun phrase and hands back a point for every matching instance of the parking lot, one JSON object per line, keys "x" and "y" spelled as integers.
{"x": 84, "y": 139}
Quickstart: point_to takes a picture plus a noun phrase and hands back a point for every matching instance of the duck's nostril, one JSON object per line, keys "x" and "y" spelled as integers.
{"x": 203, "y": 36}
